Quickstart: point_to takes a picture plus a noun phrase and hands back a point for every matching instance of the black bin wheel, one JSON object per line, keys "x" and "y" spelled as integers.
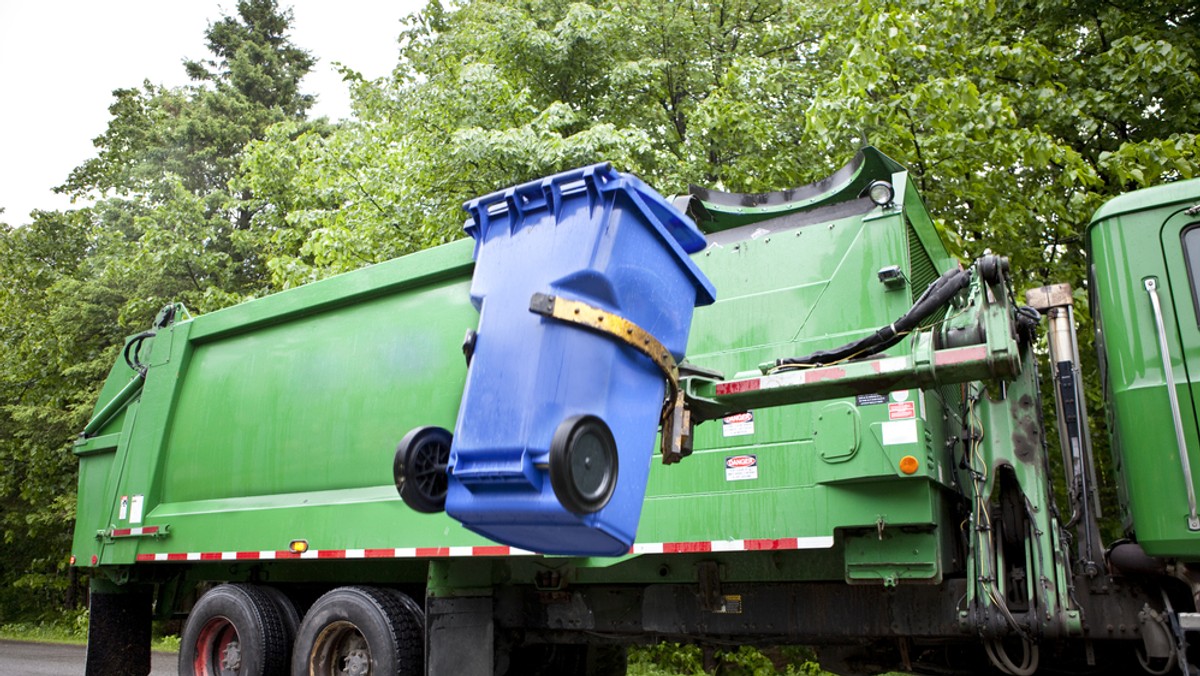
{"x": 583, "y": 464}
{"x": 420, "y": 468}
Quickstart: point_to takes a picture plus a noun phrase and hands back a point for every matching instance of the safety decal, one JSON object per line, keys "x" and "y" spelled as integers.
{"x": 741, "y": 467}
{"x": 738, "y": 424}
{"x": 898, "y": 432}
{"x": 902, "y": 410}
{"x": 123, "y": 512}
{"x": 135, "y": 508}
{"x": 869, "y": 399}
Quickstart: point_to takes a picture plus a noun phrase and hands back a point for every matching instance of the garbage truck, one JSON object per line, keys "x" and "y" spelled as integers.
{"x": 610, "y": 418}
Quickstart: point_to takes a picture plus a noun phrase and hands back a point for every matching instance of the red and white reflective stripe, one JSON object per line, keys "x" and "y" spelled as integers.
{"x": 388, "y": 553}
{"x": 134, "y": 532}
{"x": 817, "y": 542}
{"x": 820, "y": 542}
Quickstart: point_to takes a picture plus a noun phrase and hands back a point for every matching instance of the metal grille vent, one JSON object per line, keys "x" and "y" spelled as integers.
{"x": 921, "y": 272}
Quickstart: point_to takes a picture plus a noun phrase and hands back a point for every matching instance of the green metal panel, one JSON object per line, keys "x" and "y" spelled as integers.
{"x": 1131, "y": 239}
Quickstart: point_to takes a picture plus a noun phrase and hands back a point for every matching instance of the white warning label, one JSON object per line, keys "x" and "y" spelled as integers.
{"x": 899, "y": 432}
{"x": 741, "y": 467}
{"x": 135, "y": 508}
{"x": 738, "y": 424}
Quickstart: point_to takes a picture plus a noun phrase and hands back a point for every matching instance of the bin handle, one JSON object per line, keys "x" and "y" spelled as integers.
{"x": 675, "y": 418}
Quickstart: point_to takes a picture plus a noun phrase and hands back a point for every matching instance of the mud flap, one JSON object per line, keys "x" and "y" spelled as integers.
{"x": 460, "y": 636}
{"x": 119, "y": 630}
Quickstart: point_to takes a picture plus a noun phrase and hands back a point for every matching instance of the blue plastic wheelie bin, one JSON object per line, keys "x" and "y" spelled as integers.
{"x": 555, "y": 435}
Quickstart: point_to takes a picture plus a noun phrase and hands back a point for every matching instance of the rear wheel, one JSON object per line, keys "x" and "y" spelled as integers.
{"x": 287, "y": 612}
{"x": 234, "y": 630}
{"x": 356, "y": 631}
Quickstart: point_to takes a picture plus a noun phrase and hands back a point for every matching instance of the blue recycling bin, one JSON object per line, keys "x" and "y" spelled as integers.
{"x": 551, "y": 404}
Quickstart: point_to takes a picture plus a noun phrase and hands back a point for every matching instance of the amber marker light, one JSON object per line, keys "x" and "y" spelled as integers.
{"x": 298, "y": 546}
{"x": 909, "y": 464}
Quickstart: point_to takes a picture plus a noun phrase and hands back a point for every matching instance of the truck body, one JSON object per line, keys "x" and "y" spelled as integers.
{"x": 891, "y": 502}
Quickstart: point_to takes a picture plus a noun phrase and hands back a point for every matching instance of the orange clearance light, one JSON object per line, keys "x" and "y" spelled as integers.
{"x": 72, "y": 559}
{"x": 909, "y": 464}
{"x": 298, "y": 546}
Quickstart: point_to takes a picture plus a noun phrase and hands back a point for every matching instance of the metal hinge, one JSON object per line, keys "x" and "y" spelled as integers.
{"x": 676, "y": 420}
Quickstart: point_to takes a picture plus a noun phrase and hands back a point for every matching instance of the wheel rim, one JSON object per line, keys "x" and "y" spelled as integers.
{"x": 218, "y": 649}
{"x": 583, "y": 464}
{"x": 340, "y": 650}
{"x": 420, "y": 468}
{"x": 591, "y": 467}
{"x": 428, "y": 471}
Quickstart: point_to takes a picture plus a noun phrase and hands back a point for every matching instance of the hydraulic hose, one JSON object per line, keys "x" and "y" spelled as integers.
{"x": 132, "y": 348}
{"x": 936, "y": 295}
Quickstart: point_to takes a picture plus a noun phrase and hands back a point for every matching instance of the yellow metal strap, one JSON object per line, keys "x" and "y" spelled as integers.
{"x": 676, "y": 437}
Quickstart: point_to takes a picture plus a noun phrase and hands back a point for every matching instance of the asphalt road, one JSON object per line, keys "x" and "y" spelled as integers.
{"x": 18, "y": 658}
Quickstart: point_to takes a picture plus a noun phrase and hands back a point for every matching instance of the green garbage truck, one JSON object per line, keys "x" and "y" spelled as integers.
{"x": 850, "y": 453}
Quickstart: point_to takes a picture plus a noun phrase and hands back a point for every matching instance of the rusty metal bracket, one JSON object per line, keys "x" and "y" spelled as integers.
{"x": 675, "y": 418}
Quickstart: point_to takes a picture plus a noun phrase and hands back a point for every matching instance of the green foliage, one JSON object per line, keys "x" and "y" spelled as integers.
{"x": 65, "y": 627}
{"x": 73, "y": 284}
{"x": 673, "y": 659}
{"x": 495, "y": 93}
{"x": 71, "y": 627}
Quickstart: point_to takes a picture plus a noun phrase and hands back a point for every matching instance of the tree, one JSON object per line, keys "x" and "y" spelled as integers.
{"x": 169, "y": 156}
{"x": 166, "y": 227}
{"x": 53, "y": 354}
{"x": 196, "y": 133}
{"x": 495, "y": 93}
{"x": 1019, "y": 119}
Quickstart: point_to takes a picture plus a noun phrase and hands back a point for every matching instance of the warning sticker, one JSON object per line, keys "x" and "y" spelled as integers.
{"x": 899, "y": 432}
{"x": 738, "y": 424}
{"x": 869, "y": 399}
{"x": 902, "y": 410}
{"x": 135, "y": 508}
{"x": 123, "y": 512}
{"x": 741, "y": 467}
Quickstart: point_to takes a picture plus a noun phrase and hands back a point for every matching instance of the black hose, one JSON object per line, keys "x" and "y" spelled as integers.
{"x": 937, "y": 294}
{"x": 133, "y": 347}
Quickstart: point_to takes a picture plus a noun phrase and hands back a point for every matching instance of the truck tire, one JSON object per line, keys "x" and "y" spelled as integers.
{"x": 287, "y": 612}
{"x": 234, "y": 629}
{"x": 351, "y": 630}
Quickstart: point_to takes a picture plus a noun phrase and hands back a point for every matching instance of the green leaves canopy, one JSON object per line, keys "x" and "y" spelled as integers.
{"x": 165, "y": 227}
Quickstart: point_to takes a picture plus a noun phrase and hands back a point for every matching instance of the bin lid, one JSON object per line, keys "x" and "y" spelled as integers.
{"x": 678, "y": 231}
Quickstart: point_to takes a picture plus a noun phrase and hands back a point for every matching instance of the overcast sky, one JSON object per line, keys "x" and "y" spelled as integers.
{"x": 61, "y": 60}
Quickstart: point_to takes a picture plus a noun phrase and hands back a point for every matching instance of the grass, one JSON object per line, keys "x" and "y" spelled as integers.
{"x": 69, "y": 628}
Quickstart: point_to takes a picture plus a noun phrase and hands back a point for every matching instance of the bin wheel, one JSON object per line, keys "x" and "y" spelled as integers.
{"x": 583, "y": 464}
{"x": 234, "y": 629}
{"x": 359, "y": 630}
{"x": 420, "y": 469}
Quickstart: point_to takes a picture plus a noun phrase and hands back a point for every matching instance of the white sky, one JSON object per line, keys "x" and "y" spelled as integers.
{"x": 60, "y": 60}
